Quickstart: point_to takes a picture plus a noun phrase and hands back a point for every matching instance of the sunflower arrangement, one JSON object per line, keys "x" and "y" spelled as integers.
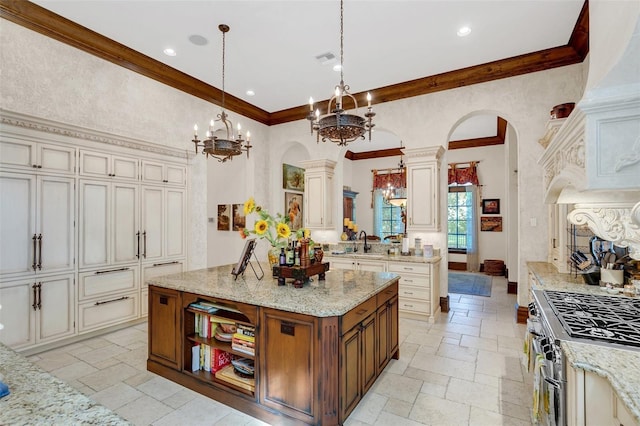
{"x": 274, "y": 229}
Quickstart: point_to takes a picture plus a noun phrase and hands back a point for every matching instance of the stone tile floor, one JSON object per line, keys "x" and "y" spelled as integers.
{"x": 462, "y": 370}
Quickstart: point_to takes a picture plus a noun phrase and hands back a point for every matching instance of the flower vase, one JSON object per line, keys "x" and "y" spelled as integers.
{"x": 318, "y": 253}
{"x": 273, "y": 255}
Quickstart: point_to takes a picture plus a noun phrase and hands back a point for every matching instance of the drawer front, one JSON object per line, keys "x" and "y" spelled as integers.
{"x": 415, "y": 280}
{"x": 108, "y": 311}
{"x": 103, "y": 283}
{"x": 358, "y": 314}
{"x": 412, "y": 268}
{"x": 158, "y": 269}
{"x": 338, "y": 263}
{"x": 387, "y": 294}
{"x": 413, "y": 292}
{"x": 413, "y": 305}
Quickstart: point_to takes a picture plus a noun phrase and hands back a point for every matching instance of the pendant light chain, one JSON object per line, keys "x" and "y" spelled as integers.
{"x": 341, "y": 42}
{"x": 223, "y": 50}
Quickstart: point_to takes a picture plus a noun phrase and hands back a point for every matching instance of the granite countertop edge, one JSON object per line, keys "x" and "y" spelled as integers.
{"x": 619, "y": 366}
{"x": 386, "y": 257}
{"x": 266, "y": 292}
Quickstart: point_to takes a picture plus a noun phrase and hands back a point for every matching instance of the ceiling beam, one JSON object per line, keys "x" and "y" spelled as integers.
{"x": 45, "y": 22}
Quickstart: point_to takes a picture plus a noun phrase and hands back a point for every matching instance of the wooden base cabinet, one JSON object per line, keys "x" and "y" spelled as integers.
{"x": 308, "y": 370}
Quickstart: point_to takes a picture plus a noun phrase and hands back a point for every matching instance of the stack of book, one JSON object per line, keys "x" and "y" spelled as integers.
{"x": 204, "y": 357}
{"x": 244, "y": 339}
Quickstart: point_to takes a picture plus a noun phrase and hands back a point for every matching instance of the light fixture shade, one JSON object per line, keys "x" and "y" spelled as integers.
{"x": 398, "y": 202}
{"x": 341, "y": 128}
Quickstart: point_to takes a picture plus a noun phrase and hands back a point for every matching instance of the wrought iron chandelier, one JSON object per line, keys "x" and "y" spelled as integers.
{"x": 396, "y": 196}
{"x": 220, "y": 141}
{"x": 339, "y": 126}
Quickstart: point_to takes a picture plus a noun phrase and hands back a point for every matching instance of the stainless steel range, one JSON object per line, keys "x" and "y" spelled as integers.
{"x": 557, "y": 316}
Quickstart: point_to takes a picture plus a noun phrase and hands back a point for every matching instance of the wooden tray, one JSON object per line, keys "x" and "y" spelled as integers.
{"x": 299, "y": 274}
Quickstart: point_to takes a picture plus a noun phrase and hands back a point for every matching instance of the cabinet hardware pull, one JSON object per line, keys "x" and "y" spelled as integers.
{"x": 138, "y": 253}
{"x": 111, "y": 270}
{"x": 35, "y": 297}
{"x": 39, "y": 295}
{"x": 39, "y": 166}
{"x": 408, "y": 281}
{"x": 34, "y": 238}
{"x": 165, "y": 181}
{"x": 166, "y": 263}
{"x": 40, "y": 251}
{"x": 407, "y": 269}
{"x": 110, "y": 301}
{"x": 408, "y": 292}
{"x": 408, "y": 306}
{"x": 144, "y": 253}
{"x": 361, "y": 311}
{"x": 35, "y": 166}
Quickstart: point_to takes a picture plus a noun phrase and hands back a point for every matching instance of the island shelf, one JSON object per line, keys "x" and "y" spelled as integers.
{"x": 309, "y": 367}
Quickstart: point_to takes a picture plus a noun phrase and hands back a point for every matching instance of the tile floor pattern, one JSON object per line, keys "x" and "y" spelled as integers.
{"x": 463, "y": 370}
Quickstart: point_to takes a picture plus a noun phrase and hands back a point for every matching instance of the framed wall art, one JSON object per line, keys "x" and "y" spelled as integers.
{"x": 292, "y": 177}
{"x": 491, "y": 206}
{"x": 239, "y": 219}
{"x": 491, "y": 223}
{"x": 293, "y": 206}
{"x": 224, "y": 217}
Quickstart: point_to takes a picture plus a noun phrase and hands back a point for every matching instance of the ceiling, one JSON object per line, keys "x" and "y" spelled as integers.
{"x": 394, "y": 48}
{"x": 272, "y": 45}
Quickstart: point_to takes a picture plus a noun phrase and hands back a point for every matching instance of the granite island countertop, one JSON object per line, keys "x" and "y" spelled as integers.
{"x": 341, "y": 291}
{"x": 38, "y": 398}
{"x": 619, "y": 366}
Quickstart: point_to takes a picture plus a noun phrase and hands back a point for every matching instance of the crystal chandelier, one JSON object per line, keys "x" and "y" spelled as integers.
{"x": 220, "y": 141}
{"x": 396, "y": 196}
{"x": 339, "y": 126}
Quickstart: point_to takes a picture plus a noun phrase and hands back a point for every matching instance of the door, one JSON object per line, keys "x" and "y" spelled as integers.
{"x": 55, "y": 308}
{"x": 125, "y": 247}
{"x": 124, "y": 167}
{"x": 55, "y": 224}
{"x": 152, "y": 222}
{"x": 368, "y": 354}
{"x": 17, "y": 223}
{"x": 56, "y": 158}
{"x": 351, "y": 378}
{"x": 422, "y": 204}
{"x": 17, "y": 313}
{"x": 175, "y": 223}
{"x": 95, "y": 204}
{"x": 314, "y": 200}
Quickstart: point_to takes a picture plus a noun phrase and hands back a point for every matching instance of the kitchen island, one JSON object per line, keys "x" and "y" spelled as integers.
{"x": 598, "y": 364}
{"x": 318, "y": 349}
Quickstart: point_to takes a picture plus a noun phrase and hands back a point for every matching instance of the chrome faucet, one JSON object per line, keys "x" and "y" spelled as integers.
{"x": 367, "y": 247}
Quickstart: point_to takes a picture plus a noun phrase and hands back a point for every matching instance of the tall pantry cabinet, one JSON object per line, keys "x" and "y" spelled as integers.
{"x": 82, "y": 225}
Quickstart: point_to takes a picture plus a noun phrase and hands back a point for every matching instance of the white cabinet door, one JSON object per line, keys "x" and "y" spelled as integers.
{"x": 163, "y": 173}
{"x": 17, "y": 223}
{"x": 55, "y": 224}
{"x": 422, "y": 200}
{"x": 152, "y": 172}
{"x": 124, "y": 167}
{"x": 314, "y": 211}
{"x": 175, "y": 241}
{"x": 21, "y": 154}
{"x": 56, "y": 308}
{"x": 153, "y": 200}
{"x": 175, "y": 174}
{"x": 99, "y": 164}
{"x": 17, "y": 313}
{"x": 126, "y": 243}
{"x": 318, "y": 194}
{"x": 95, "y": 226}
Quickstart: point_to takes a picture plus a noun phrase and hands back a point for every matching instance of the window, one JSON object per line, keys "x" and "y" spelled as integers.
{"x": 387, "y": 218}
{"x": 458, "y": 213}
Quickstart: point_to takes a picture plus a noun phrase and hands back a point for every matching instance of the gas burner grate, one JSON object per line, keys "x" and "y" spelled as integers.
{"x": 604, "y": 318}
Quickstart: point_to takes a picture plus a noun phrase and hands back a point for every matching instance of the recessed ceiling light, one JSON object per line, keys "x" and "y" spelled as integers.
{"x": 326, "y": 58}
{"x": 250, "y": 93}
{"x": 337, "y": 67}
{"x": 169, "y": 52}
{"x": 198, "y": 40}
{"x": 464, "y": 31}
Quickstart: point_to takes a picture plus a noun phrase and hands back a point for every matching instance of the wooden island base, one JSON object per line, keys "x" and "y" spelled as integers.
{"x": 308, "y": 369}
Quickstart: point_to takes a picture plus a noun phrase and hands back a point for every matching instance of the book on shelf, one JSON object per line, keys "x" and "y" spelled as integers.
{"x": 204, "y": 357}
{"x": 243, "y": 346}
{"x": 202, "y": 306}
{"x": 246, "y": 330}
{"x": 246, "y": 338}
{"x": 228, "y": 375}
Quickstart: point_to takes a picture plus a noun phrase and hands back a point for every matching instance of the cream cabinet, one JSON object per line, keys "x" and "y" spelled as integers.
{"x": 592, "y": 401}
{"x": 167, "y": 173}
{"x": 109, "y": 223}
{"x": 37, "y": 226}
{"x": 356, "y": 264}
{"x": 418, "y": 289}
{"x": 319, "y": 194}
{"x": 423, "y": 191}
{"x": 163, "y": 223}
{"x": 153, "y": 270}
{"x": 24, "y": 154}
{"x": 37, "y": 311}
{"x": 100, "y": 164}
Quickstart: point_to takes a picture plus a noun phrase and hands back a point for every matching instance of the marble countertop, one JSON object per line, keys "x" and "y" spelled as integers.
{"x": 619, "y": 366}
{"x": 38, "y": 398}
{"x": 341, "y": 291}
